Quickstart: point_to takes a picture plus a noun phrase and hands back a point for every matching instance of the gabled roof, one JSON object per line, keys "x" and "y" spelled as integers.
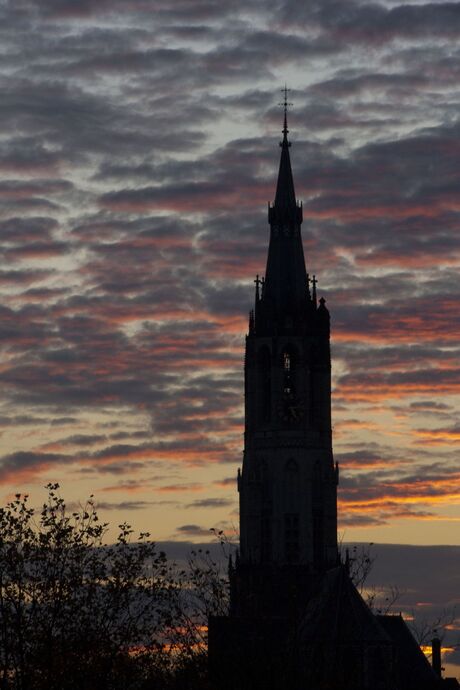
{"x": 338, "y": 613}
{"x": 414, "y": 670}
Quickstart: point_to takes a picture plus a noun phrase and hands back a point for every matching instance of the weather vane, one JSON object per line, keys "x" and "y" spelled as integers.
{"x": 285, "y": 104}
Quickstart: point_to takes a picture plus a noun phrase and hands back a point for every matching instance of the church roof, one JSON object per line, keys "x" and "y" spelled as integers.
{"x": 338, "y": 613}
{"x": 414, "y": 670}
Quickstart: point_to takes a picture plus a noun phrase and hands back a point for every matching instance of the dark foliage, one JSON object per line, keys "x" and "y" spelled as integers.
{"x": 78, "y": 614}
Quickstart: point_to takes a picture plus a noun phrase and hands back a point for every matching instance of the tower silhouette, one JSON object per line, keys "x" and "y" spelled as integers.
{"x": 296, "y": 621}
{"x": 288, "y": 482}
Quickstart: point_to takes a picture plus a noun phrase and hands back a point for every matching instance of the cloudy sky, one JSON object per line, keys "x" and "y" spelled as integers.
{"x": 138, "y": 151}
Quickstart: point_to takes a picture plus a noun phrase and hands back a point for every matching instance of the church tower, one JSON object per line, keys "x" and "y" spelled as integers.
{"x": 296, "y": 620}
{"x": 288, "y": 482}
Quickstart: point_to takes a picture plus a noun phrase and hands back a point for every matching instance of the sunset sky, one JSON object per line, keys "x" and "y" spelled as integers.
{"x": 138, "y": 151}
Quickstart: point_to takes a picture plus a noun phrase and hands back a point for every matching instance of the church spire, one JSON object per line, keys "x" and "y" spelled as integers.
{"x": 285, "y": 200}
{"x": 286, "y": 290}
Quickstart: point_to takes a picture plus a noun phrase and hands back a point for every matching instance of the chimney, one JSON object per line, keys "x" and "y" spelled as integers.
{"x": 436, "y": 655}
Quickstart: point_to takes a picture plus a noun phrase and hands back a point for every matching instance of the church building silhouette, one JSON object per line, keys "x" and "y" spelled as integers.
{"x": 296, "y": 620}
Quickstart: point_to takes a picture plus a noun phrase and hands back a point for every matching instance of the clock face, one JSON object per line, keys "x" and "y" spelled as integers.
{"x": 290, "y": 409}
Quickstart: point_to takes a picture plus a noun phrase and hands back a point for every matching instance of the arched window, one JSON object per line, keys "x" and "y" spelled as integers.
{"x": 289, "y": 364}
{"x": 263, "y": 385}
{"x": 317, "y": 485}
{"x": 291, "y": 466}
{"x": 266, "y": 514}
{"x": 352, "y": 667}
{"x": 292, "y": 503}
{"x": 292, "y": 484}
{"x": 318, "y": 515}
{"x": 317, "y": 472}
{"x": 291, "y": 537}
{"x": 265, "y": 538}
{"x": 318, "y": 537}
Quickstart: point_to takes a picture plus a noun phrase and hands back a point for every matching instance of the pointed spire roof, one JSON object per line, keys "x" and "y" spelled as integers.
{"x": 285, "y": 193}
{"x": 285, "y": 290}
{"x": 285, "y": 208}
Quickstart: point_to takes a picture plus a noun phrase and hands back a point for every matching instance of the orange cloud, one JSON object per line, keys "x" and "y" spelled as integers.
{"x": 443, "y": 436}
{"x": 179, "y": 488}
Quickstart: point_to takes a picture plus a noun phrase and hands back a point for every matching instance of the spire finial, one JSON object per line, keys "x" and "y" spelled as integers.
{"x": 257, "y": 282}
{"x": 285, "y": 105}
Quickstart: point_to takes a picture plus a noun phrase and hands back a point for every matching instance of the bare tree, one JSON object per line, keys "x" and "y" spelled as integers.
{"x": 359, "y": 562}
{"x": 425, "y": 629}
{"x": 75, "y": 613}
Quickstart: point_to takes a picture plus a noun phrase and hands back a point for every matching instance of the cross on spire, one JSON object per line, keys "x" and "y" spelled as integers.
{"x": 285, "y": 105}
